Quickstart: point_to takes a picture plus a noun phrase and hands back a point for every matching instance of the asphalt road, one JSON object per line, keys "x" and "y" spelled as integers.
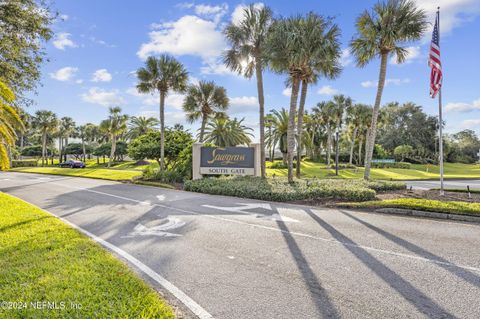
{"x": 473, "y": 183}
{"x": 236, "y": 258}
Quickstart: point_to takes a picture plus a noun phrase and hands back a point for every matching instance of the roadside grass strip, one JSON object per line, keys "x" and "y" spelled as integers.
{"x": 50, "y": 270}
{"x": 463, "y": 208}
{"x": 98, "y": 173}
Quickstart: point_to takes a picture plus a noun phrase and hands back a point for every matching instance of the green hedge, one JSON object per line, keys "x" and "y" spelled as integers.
{"x": 403, "y": 165}
{"x": 24, "y": 163}
{"x": 278, "y": 189}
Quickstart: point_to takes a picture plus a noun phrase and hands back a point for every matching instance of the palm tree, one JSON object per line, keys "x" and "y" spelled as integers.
{"x": 140, "y": 125}
{"x": 380, "y": 33}
{"x": 278, "y": 134}
{"x": 327, "y": 114}
{"x": 163, "y": 74}
{"x": 247, "y": 56}
{"x": 10, "y": 124}
{"x": 355, "y": 116}
{"x": 82, "y": 133}
{"x": 225, "y": 132}
{"x": 114, "y": 126}
{"x": 320, "y": 42}
{"x": 204, "y": 100}
{"x": 364, "y": 129}
{"x": 66, "y": 129}
{"x": 269, "y": 121}
{"x": 45, "y": 122}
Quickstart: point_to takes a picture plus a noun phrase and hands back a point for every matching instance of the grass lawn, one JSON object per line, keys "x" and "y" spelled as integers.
{"x": 417, "y": 172}
{"x": 420, "y": 204}
{"x": 100, "y": 173}
{"x": 43, "y": 259}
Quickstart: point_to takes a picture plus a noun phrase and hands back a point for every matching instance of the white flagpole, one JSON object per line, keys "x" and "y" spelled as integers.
{"x": 440, "y": 120}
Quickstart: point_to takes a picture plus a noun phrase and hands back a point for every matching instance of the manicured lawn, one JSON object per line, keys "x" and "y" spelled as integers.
{"x": 420, "y": 204}
{"x": 417, "y": 172}
{"x": 100, "y": 173}
{"x": 42, "y": 259}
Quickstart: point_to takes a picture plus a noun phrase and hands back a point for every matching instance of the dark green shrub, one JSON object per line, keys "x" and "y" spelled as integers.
{"x": 278, "y": 189}
{"x": 24, "y": 163}
{"x": 403, "y": 165}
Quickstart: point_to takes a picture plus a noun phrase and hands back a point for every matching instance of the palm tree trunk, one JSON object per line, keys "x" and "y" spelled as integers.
{"x": 354, "y": 134}
{"x": 112, "y": 150}
{"x": 60, "y": 148}
{"x": 301, "y": 108}
{"x": 65, "y": 153}
{"x": 329, "y": 144}
{"x": 83, "y": 149}
{"x": 261, "y": 105}
{"x": 162, "y": 131}
{"x": 202, "y": 128}
{"x": 360, "y": 144}
{"x": 376, "y": 109}
{"x": 44, "y": 147}
{"x": 291, "y": 127}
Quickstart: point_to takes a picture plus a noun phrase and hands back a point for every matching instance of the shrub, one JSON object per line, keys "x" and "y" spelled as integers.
{"x": 281, "y": 165}
{"x": 403, "y": 165}
{"x": 278, "y": 189}
{"x": 24, "y": 163}
{"x": 343, "y": 166}
{"x": 152, "y": 173}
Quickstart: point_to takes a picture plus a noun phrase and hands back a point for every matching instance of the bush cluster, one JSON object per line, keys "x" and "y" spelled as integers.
{"x": 281, "y": 165}
{"x": 343, "y": 166}
{"x": 278, "y": 189}
{"x": 152, "y": 173}
{"x": 403, "y": 165}
{"x": 24, "y": 163}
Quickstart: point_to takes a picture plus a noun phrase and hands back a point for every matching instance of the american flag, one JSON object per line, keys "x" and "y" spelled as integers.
{"x": 434, "y": 62}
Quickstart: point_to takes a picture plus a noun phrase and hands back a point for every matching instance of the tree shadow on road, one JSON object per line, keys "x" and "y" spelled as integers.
{"x": 318, "y": 294}
{"x": 411, "y": 294}
{"x": 462, "y": 273}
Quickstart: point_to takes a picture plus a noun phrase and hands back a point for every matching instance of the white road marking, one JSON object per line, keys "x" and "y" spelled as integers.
{"x": 243, "y": 207}
{"x": 180, "y": 295}
{"x": 329, "y": 240}
{"x": 169, "y": 223}
{"x": 161, "y": 197}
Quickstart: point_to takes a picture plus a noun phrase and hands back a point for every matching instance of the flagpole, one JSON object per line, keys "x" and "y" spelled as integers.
{"x": 440, "y": 120}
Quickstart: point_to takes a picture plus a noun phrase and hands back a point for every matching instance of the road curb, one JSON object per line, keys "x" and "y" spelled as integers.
{"x": 421, "y": 213}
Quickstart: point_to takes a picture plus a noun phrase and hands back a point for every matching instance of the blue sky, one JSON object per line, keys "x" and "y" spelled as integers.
{"x": 99, "y": 44}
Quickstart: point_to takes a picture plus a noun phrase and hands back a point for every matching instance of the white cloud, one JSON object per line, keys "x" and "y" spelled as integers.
{"x": 327, "y": 90}
{"x": 103, "y": 97}
{"x": 174, "y": 100}
{"x": 238, "y": 12}
{"x": 217, "y": 12}
{"x": 64, "y": 74}
{"x": 64, "y": 17}
{"x": 463, "y": 107}
{"x": 287, "y": 92}
{"x": 243, "y": 104}
{"x": 371, "y": 84}
{"x": 214, "y": 66}
{"x": 79, "y": 81}
{"x": 454, "y": 13}
{"x": 62, "y": 41}
{"x": 471, "y": 124}
{"x": 189, "y": 35}
{"x": 346, "y": 57}
{"x": 413, "y": 53}
{"x": 101, "y": 75}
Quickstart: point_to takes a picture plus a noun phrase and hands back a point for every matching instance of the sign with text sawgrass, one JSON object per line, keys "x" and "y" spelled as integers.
{"x": 227, "y": 161}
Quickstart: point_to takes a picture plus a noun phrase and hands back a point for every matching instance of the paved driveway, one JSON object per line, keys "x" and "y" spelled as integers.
{"x": 233, "y": 258}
